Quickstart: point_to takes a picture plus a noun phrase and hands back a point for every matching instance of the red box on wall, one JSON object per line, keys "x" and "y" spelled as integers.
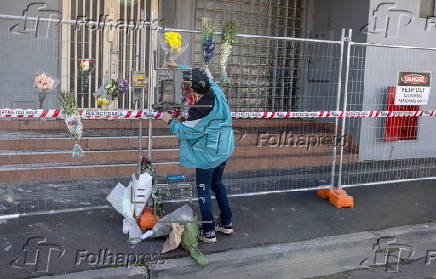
{"x": 400, "y": 128}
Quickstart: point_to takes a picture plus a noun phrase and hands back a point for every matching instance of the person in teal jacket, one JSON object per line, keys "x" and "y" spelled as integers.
{"x": 206, "y": 143}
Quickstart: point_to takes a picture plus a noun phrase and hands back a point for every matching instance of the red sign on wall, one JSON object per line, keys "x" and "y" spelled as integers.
{"x": 400, "y": 128}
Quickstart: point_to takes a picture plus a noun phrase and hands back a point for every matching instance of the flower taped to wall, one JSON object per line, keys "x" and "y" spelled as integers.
{"x": 110, "y": 91}
{"x": 208, "y": 43}
{"x": 71, "y": 116}
{"x": 86, "y": 67}
{"x": 44, "y": 83}
{"x": 229, "y": 34}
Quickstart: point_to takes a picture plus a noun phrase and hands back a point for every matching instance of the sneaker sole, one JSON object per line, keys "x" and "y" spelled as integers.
{"x": 207, "y": 240}
{"x": 224, "y": 231}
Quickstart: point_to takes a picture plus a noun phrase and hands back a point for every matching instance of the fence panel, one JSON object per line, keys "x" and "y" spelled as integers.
{"x": 276, "y": 74}
{"x": 37, "y": 171}
{"x": 387, "y": 149}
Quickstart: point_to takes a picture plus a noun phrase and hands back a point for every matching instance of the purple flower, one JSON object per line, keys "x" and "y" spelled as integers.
{"x": 208, "y": 48}
{"x": 123, "y": 85}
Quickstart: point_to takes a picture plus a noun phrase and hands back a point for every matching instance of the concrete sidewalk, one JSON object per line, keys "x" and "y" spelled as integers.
{"x": 267, "y": 227}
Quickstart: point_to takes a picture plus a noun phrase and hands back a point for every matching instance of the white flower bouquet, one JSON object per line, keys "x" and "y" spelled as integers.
{"x": 230, "y": 31}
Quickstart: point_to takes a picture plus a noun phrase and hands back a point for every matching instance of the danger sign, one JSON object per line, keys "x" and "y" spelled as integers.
{"x": 413, "y": 88}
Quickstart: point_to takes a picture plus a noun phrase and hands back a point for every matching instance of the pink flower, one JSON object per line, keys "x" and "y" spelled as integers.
{"x": 43, "y": 81}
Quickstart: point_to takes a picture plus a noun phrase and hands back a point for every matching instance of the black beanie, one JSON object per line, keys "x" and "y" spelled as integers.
{"x": 197, "y": 79}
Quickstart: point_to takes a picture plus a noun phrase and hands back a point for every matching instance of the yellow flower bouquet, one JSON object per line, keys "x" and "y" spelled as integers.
{"x": 173, "y": 44}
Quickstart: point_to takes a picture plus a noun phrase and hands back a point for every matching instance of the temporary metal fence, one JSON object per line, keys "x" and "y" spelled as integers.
{"x": 386, "y": 149}
{"x": 307, "y": 114}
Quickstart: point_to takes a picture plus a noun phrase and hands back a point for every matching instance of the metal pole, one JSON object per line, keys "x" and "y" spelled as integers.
{"x": 347, "y": 74}
{"x": 142, "y": 48}
{"x": 141, "y": 105}
{"x": 151, "y": 87}
{"x": 338, "y": 104}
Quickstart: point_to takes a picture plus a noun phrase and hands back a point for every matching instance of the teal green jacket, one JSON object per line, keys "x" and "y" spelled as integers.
{"x": 209, "y": 141}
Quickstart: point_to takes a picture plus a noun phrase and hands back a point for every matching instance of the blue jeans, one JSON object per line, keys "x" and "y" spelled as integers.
{"x": 208, "y": 179}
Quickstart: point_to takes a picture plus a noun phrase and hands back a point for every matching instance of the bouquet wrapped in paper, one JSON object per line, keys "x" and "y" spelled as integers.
{"x": 72, "y": 120}
{"x": 163, "y": 228}
{"x": 189, "y": 242}
{"x": 130, "y": 202}
{"x": 208, "y": 43}
{"x": 44, "y": 83}
{"x": 110, "y": 90}
{"x": 86, "y": 67}
{"x": 173, "y": 45}
{"x": 230, "y": 31}
{"x": 157, "y": 205}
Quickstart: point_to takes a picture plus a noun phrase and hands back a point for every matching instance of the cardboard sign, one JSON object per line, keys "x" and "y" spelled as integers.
{"x": 413, "y": 88}
{"x": 139, "y": 79}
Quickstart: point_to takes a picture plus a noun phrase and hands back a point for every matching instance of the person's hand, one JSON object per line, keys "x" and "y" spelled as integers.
{"x": 171, "y": 64}
{"x": 166, "y": 117}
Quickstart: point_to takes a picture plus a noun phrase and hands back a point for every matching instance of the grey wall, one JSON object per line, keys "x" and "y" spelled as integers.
{"x": 22, "y": 55}
{"x": 325, "y": 20}
{"x": 382, "y": 66}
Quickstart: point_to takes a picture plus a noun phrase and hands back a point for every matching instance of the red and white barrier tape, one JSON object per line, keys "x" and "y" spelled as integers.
{"x": 135, "y": 114}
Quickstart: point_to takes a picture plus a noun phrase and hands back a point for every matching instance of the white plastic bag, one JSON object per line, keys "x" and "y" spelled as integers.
{"x": 142, "y": 188}
{"x": 130, "y": 201}
{"x": 131, "y": 227}
{"x": 121, "y": 200}
{"x": 163, "y": 227}
{"x": 126, "y": 202}
{"x": 128, "y": 206}
{"x": 116, "y": 197}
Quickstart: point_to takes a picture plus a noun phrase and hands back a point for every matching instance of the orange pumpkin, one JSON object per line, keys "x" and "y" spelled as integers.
{"x": 147, "y": 220}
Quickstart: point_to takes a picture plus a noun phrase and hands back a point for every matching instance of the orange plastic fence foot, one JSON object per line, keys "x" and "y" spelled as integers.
{"x": 337, "y": 197}
{"x": 323, "y": 193}
{"x": 340, "y": 199}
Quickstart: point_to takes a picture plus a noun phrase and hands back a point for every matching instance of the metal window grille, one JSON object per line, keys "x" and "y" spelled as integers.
{"x": 263, "y": 71}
